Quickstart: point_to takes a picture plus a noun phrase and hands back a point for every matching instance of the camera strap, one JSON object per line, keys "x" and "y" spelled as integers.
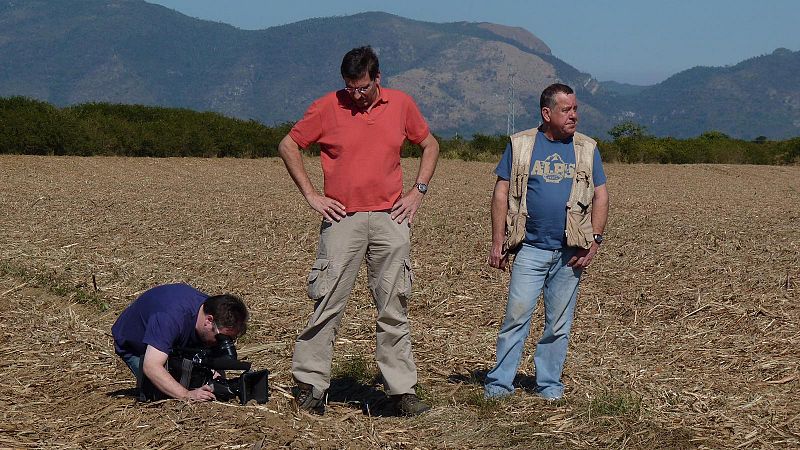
{"x": 186, "y": 372}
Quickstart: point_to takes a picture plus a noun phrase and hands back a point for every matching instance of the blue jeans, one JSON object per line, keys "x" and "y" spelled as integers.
{"x": 536, "y": 271}
{"x": 133, "y": 362}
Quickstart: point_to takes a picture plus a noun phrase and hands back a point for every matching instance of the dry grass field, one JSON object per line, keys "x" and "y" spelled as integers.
{"x": 687, "y": 332}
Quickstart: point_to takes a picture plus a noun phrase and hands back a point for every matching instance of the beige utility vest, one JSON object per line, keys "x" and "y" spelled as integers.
{"x": 579, "y": 206}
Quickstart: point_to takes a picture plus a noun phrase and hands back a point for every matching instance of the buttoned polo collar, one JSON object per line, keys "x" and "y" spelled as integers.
{"x": 382, "y": 97}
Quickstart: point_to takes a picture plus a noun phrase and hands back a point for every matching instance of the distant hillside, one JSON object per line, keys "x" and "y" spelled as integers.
{"x": 130, "y": 51}
{"x": 759, "y": 96}
{"x": 622, "y": 88}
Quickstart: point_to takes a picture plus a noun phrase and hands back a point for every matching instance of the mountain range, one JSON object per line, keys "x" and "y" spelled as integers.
{"x": 461, "y": 74}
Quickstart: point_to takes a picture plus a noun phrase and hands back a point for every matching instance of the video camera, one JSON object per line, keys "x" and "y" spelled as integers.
{"x": 193, "y": 368}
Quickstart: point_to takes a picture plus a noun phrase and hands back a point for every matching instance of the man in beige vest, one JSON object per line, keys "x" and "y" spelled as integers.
{"x": 550, "y": 193}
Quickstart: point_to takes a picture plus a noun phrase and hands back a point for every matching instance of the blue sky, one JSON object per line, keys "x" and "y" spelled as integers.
{"x": 640, "y": 42}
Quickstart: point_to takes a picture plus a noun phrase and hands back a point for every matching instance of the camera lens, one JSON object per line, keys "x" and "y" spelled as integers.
{"x": 226, "y": 346}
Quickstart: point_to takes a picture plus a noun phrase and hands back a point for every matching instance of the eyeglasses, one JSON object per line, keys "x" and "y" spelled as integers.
{"x": 361, "y": 90}
{"x": 216, "y": 332}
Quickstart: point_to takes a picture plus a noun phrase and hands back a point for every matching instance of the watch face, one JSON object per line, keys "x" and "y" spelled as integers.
{"x": 422, "y": 187}
{"x": 598, "y": 238}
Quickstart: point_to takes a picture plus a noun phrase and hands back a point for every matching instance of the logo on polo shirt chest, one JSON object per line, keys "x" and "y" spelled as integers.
{"x": 553, "y": 169}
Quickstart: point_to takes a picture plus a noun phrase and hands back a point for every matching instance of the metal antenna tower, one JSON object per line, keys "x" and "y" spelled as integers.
{"x": 510, "y": 127}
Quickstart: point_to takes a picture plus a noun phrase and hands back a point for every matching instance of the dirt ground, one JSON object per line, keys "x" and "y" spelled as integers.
{"x": 686, "y": 336}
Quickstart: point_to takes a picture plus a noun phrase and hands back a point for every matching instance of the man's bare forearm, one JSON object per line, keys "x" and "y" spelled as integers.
{"x": 293, "y": 159}
{"x": 153, "y": 368}
{"x": 429, "y": 159}
{"x": 600, "y": 209}
{"x": 499, "y": 212}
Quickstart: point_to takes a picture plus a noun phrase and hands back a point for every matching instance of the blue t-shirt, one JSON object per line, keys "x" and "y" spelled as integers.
{"x": 549, "y": 186}
{"x": 163, "y": 317}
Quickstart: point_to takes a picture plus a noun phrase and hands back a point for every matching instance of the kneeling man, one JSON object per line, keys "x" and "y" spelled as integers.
{"x": 173, "y": 316}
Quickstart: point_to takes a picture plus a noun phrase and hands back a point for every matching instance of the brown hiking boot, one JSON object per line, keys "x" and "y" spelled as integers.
{"x": 409, "y": 405}
{"x": 304, "y": 399}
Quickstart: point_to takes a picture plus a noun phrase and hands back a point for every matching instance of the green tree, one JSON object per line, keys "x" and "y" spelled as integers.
{"x": 628, "y": 129}
{"x": 714, "y": 135}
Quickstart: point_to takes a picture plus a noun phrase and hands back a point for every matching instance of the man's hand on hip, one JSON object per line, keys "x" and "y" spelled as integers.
{"x": 407, "y": 206}
{"x": 329, "y": 208}
{"x": 583, "y": 257}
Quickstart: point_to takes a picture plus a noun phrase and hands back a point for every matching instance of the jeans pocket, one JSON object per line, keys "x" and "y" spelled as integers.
{"x": 408, "y": 279}
{"x": 319, "y": 283}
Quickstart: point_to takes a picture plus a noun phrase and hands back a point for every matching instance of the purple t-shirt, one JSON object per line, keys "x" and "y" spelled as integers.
{"x": 549, "y": 185}
{"x": 163, "y": 317}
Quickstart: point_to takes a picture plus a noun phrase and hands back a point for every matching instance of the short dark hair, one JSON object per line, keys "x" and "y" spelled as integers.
{"x": 359, "y": 61}
{"x": 229, "y": 311}
{"x": 548, "y": 98}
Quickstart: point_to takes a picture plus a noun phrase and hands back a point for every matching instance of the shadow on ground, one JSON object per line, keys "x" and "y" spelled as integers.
{"x": 126, "y": 392}
{"x": 478, "y": 377}
{"x": 369, "y": 398}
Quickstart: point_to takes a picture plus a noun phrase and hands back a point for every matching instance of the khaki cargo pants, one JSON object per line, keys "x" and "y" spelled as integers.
{"x": 343, "y": 245}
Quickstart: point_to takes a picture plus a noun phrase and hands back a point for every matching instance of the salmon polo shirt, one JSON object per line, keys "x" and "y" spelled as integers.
{"x": 361, "y": 150}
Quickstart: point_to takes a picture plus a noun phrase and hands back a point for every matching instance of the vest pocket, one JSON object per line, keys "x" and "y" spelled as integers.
{"x": 319, "y": 279}
{"x": 579, "y": 213}
{"x": 579, "y": 228}
{"x": 515, "y": 231}
{"x": 584, "y": 190}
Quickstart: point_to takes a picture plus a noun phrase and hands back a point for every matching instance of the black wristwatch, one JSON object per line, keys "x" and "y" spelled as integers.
{"x": 598, "y": 238}
{"x": 422, "y": 187}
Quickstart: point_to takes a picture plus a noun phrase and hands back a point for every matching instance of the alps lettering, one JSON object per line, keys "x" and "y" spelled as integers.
{"x": 553, "y": 169}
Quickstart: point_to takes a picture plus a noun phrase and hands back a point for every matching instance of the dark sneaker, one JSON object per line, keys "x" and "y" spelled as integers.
{"x": 304, "y": 399}
{"x": 409, "y": 405}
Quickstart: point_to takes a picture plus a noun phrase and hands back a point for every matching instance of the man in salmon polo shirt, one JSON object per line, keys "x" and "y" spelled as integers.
{"x": 365, "y": 216}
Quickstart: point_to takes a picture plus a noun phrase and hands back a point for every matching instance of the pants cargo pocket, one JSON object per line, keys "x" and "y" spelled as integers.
{"x": 319, "y": 279}
{"x": 407, "y": 282}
